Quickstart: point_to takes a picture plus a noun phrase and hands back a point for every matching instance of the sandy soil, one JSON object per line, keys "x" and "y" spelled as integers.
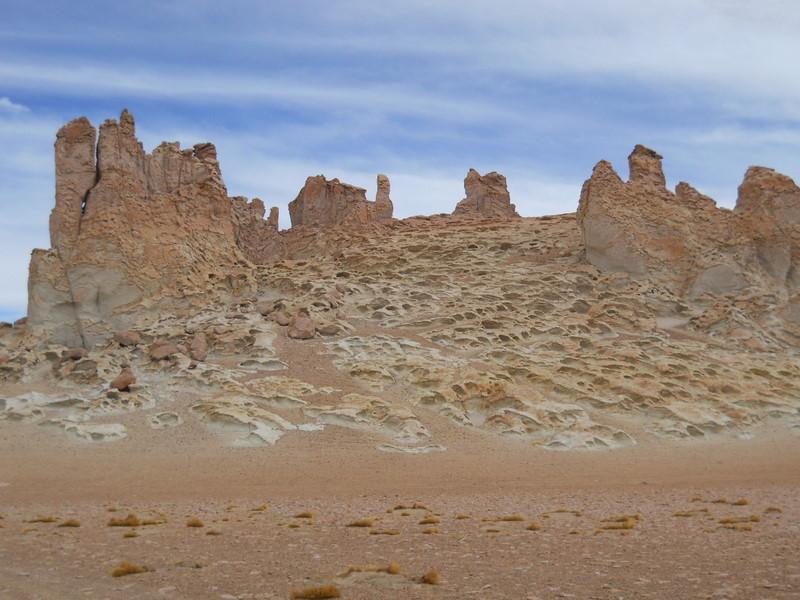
{"x": 265, "y": 552}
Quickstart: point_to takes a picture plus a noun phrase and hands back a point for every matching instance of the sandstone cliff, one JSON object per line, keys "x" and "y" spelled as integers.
{"x": 487, "y": 197}
{"x": 326, "y": 203}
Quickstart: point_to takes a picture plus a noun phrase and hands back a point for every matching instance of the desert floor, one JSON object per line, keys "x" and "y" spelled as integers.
{"x": 739, "y": 536}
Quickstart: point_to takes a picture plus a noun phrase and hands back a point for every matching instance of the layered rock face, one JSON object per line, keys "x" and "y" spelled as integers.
{"x": 257, "y": 238}
{"x": 487, "y": 197}
{"x": 129, "y": 226}
{"x": 325, "y": 203}
{"x": 641, "y": 228}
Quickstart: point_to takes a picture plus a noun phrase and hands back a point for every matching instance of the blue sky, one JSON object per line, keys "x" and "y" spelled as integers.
{"x": 539, "y": 90}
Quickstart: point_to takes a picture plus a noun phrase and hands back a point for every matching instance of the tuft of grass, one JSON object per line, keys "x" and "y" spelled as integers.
{"x": 696, "y": 499}
{"x": 741, "y": 502}
{"x": 260, "y": 508}
{"x": 318, "y": 592}
{"x": 619, "y": 525}
{"x": 719, "y": 501}
{"x": 362, "y": 523}
{"x": 432, "y": 577}
{"x": 130, "y": 534}
{"x": 41, "y": 519}
{"x": 112, "y": 509}
{"x": 194, "y": 522}
{"x": 384, "y": 532}
{"x": 461, "y": 517}
{"x": 127, "y": 568}
{"x": 690, "y": 513}
{"x": 772, "y": 509}
{"x": 430, "y": 530}
{"x": 533, "y": 527}
{"x": 511, "y": 518}
{"x": 70, "y": 523}
{"x": 574, "y": 532}
{"x": 130, "y": 521}
{"x": 492, "y": 530}
{"x": 304, "y": 515}
{"x": 737, "y": 520}
{"x": 392, "y": 569}
{"x": 739, "y": 526}
{"x": 213, "y": 532}
{"x": 429, "y": 520}
{"x": 293, "y": 526}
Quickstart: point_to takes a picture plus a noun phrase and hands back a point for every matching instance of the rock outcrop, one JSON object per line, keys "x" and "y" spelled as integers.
{"x": 326, "y": 203}
{"x": 129, "y": 226}
{"x": 641, "y": 228}
{"x": 383, "y": 203}
{"x": 487, "y": 197}
{"x": 257, "y": 238}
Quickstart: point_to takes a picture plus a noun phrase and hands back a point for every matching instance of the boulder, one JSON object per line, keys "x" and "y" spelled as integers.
{"x": 127, "y": 338}
{"x": 124, "y": 380}
{"x": 198, "y": 349}
{"x": 301, "y": 327}
{"x": 487, "y": 197}
{"x": 161, "y": 349}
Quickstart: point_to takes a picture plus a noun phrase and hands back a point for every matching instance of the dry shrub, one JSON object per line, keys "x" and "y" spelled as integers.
{"x": 743, "y": 519}
{"x": 533, "y": 527}
{"x": 511, "y": 518}
{"x": 392, "y": 569}
{"x": 384, "y": 532}
{"x": 362, "y": 523}
{"x": 304, "y": 515}
{"x": 70, "y": 523}
{"x": 741, "y": 502}
{"x": 415, "y": 506}
{"x": 41, "y": 519}
{"x": 293, "y": 526}
{"x": 690, "y": 513}
{"x": 317, "y": 592}
{"x": 130, "y": 521}
{"x": 194, "y": 522}
{"x": 127, "y": 568}
{"x": 430, "y": 530}
{"x": 575, "y": 532}
{"x": 772, "y": 509}
{"x": 213, "y": 532}
{"x": 432, "y": 577}
{"x": 462, "y": 517}
{"x": 260, "y": 508}
{"x": 719, "y": 501}
{"x": 429, "y": 520}
{"x": 130, "y": 534}
{"x": 492, "y": 530}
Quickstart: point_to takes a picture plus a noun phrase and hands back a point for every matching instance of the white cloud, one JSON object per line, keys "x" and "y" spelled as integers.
{"x": 6, "y": 105}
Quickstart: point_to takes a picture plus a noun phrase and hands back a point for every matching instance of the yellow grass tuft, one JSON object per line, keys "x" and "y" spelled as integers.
{"x": 392, "y": 569}
{"x": 741, "y": 502}
{"x": 772, "y": 509}
{"x": 462, "y": 517}
{"x": 430, "y": 530}
{"x": 719, "y": 501}
{"x": 70, "y": 523}
{"x": 130, "y": 534}
{"x": 432, "y": 577}
{"x": 574, "y": 532}
{"x": 318, "y": 592}
{"x": 41, "y": 519}
{"x": 362, "y": 523}
{"x": 304, "y": 515}
{"x": 743, "y": 519}
{"x": 260, "y": 508}
{"x": 492, "y": 530}
{"x": 293, "y": 526}
{"x": 429, "y": 520}
{"x": 511, "y": 518}
{"x": 690, "y": 513}
{"x": 194, "y": 522}
{"x": 533, "y": 527}
{"x": 130, "y": 521}
{"x": 696, "y": 499}
{"x": 127, "y": 568}
{"x": 384, "y": 532}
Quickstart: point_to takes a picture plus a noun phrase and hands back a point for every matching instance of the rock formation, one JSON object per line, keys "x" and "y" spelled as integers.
{"x": 643, "y": 229}
{"x": 257, "y": 238}
{"x": 487, "y": 197}
{"x": 383, "y": 203}
{"x": 326, "y": 203}
{"x": 128, "y": 226}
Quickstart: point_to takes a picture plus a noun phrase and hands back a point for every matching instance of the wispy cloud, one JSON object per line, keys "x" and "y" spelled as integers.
{"x": 7, "y": 106}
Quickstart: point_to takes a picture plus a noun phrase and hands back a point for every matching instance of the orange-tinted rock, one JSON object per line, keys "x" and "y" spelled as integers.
{"x": 124, "y": 380}
{"x": 487, "y": 197}
{"x": 327, "y": 203}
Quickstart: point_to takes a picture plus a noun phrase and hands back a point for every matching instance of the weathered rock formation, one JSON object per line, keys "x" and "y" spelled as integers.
{"x": 487, "y": 197}
{"x": 641, "y": 228}
{"x": 326, "y": 203}
{"x": 129, "y": 226}
{"x": 257, "y": 238}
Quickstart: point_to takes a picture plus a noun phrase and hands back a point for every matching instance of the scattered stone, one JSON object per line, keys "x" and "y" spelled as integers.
{"x": 124, "y": 380}
{"x": 162, "y": 349}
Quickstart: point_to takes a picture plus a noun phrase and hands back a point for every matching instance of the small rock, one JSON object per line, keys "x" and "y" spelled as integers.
{"x": 329, "y": 329}
{"x": 302, "y": 327}
{"x": 198, "y": 349}
{"x": 162, "y": 349}
{"x": 74, "y": 354}
{"x": 127, "y": 338}
{"x": 267, "y": 307}
{"x": 124, "y": 380}
{"x": 281, "y": 318}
